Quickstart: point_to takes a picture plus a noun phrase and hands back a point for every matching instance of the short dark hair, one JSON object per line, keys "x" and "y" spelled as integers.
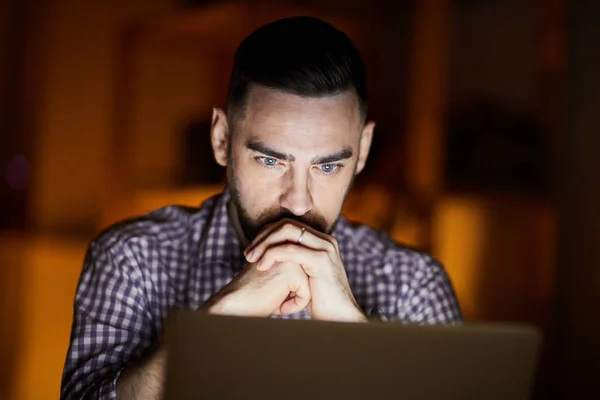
{"x": 301, "y": 55}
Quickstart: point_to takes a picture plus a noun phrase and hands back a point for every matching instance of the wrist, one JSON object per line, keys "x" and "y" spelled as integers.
{"x": 219, "y": 305}
{"x": 356, "y": 315}
{"x": 230, "y": 303}
{"x": 351, "y": 311}
{"x": 346, "y": 313}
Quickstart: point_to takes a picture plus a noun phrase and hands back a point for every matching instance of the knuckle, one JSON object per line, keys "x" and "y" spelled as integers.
{"x": 331, "y": 245}
{"x": 292, "y": 271}
{"x": 266, "y": 258}
{"x": 283, "y": 267}
{"x": 279, "y": 230}
{"x": 289, "y": 249}
{"x": 325, "y": 257}
{"x": 288, "y": 228}
{"x": 301, "y": 278}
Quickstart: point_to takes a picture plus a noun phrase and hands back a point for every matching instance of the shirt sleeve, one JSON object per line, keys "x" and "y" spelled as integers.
{"x": 427, "y": 297}
{"x": 111, "y": 323}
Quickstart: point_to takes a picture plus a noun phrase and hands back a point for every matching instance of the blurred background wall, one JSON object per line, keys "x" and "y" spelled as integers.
{"x": 485, "y": 152}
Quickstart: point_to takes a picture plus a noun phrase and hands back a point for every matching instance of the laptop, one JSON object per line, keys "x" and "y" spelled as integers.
{"x": 218, "y": 357}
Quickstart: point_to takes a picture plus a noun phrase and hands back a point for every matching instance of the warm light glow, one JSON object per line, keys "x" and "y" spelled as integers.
{"x": 459, "y": 235}
{"x": 500, "y": 254}
{"x": 141, "y": 202}
{"x": 49, "y": 270}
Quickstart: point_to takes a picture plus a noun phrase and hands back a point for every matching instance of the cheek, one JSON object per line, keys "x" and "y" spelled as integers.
{"x": 251, "y": 176}
{"x": 257, "y": 188}
{"x": 329, "y": 194}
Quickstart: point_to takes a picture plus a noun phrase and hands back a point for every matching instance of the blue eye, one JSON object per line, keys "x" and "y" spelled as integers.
{"x": 268, "y": 161}
{"x": 329, "y": 169}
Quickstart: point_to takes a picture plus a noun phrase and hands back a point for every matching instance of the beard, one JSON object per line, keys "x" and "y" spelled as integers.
{"x": 252, "y": 226}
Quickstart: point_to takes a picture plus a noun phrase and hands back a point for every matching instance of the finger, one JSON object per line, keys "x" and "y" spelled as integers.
{"x": 292, "y": 306}
{"x": 300, "y": 297}
{"x": 266, "y": 231}
{"x": 270, "y": 228}
{"x": 291, "y": 233}
{"x": 287, "y": 307}
{"x": 296, "y": 301}
{"x": 282, "y": 254}
{"x": 308, "y": 259}
{"x": 277, "y": 310}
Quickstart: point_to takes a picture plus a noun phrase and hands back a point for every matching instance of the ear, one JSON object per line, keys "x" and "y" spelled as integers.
{"x": 219, "y": 136}
{"x": 365, "y": 145}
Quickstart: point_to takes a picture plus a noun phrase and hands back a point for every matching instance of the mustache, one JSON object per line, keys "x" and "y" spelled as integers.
{"x": 311, "y": 219}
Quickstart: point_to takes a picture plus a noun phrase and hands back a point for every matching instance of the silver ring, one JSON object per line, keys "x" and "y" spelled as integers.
{"x": 301, "y": 236}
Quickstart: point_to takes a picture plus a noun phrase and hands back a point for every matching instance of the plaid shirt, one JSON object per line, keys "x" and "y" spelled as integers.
{"x": 137, "y": 272}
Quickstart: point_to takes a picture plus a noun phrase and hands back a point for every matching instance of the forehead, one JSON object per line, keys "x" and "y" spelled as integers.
{"x": 306, "y": 123}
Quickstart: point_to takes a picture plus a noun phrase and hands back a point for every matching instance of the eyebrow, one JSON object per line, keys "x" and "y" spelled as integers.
{"x": 338, "y": 156}
{"x": 260, "y": 147}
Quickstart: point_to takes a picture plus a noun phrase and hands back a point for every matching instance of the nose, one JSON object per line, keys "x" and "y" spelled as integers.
{"x": 296, "y": 195}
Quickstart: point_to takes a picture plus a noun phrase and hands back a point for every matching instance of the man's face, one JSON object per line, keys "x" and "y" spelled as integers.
{"x": 294, "y": 157}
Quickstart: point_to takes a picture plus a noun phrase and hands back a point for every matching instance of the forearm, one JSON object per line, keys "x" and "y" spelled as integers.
{"x": 226, "y": 302}
{"x": 144, "y": 380}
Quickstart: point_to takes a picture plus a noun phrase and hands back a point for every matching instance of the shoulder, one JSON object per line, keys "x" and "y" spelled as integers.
{"x": 171, "y": 228}
{"x": 415, "y": 285}
{"x": 384, "y": 251}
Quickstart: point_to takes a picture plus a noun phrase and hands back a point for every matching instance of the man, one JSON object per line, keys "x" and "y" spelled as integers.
{"x": 273, "y": 243}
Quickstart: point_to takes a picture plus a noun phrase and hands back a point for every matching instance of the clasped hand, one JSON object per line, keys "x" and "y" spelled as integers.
{"x": 285, "y": 275}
